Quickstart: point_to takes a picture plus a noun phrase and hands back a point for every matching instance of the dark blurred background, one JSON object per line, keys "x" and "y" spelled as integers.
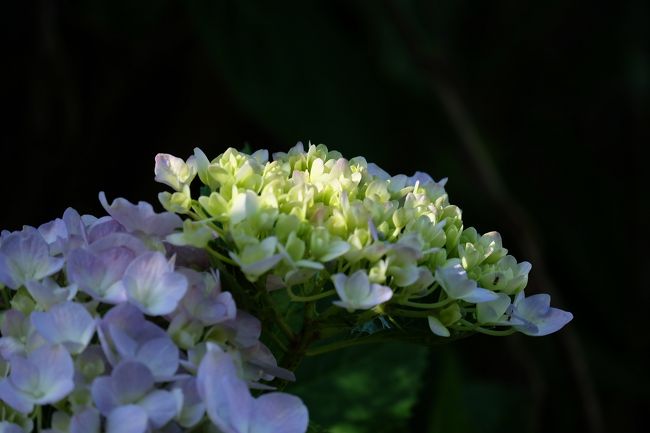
{"x": 536, "y": 112}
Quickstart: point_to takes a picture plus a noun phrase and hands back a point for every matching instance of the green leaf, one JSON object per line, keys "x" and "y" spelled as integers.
{"x": 362, "y": 389}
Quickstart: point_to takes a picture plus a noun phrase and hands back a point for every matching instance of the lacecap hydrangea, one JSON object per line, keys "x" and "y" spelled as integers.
{"x": 193, "y": 319}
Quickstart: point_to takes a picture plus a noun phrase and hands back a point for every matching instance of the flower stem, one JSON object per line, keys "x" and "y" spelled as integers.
{"x": 325, "y": 348}
{"x": 427, "y": 306}
{"x": 297, "y": 298}
{"x": 220, "y": 256}
{"x": 468, "y": 326}
{"x": 275, "y": 315}
{"x": 39, "y": 418}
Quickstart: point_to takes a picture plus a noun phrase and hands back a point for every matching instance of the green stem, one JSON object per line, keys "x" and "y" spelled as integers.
{"x": 411, "y": 313}
{"x": 468, "y": 326}
{"x": 5, "y": 298}
{"x": 427, "y": 306}
{"x": 325, "y": 348}
{"x": 275, "y": 315}
{"x": 220, "y": 256}
{"x": 297, "y": 298}
{"x": 39, "y": 418}
{"x": 279, "y": 342}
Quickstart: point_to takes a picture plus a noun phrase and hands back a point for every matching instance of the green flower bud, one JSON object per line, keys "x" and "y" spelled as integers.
{"x": 450, "y": 314}
{"x": 178, "y": 202}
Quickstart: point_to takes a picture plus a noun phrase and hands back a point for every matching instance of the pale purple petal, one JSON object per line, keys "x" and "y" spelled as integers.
{"x": 119, "y": 239}
{"x": 24, "y": 374}
{"x": 478, "y": 295}
{"x": 279, "y": 413}
{"x": 160, "y": 406}
{"x": 152, "y": 285}
{"x": 14, "y": 398}
{"x": 68, "y": 323}
{"x": 55, "y": 234}
{"x": 10, "y": 346}
{"x": 455, "y": 282}
{"x": 125, "y": 346}
{"x": 8, "y": 427}
{"x": 56, "y": 373}
{"x": 104, "y": 395}
{"x": 131, "y": 381}
{"x": 536, "y": 316}
{"x": 104, "y": 227}
{"x": 98, "y": 273}
{"x": 193, "y": 407}
{"x": 244, "y": 330}
{"x": 85, "y": 422}
{"x": 160, "y": 355}
{"x": 48, "y": 293}
{"x": 227, "y": 399}
{"x": 260, "y": 363}
{"x": 437, "y": 327}
{"x": 127, "y": 419}
{"x": 25, "y": 256}
{"x": 129, "y": 321}
{"x": 356, "y": 292}
{"x": 141, "y": 217}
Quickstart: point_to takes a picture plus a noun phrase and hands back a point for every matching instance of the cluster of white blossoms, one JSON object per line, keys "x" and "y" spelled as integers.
{"x": 322, "y": 226}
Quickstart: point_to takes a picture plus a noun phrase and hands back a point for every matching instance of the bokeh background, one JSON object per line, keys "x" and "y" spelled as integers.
{"x": 537, "y": 113}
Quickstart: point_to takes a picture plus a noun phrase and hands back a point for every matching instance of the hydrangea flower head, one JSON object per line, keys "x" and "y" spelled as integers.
{"x": 142, "y": 321}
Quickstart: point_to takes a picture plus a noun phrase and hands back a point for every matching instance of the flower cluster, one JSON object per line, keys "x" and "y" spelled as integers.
{"x": 121, "y": 323}
{"x": 391, "y": 244}
{"x": 107, "y": 326}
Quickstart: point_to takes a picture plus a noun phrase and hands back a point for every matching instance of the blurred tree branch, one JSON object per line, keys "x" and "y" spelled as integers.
{"x": 432, "y": 67}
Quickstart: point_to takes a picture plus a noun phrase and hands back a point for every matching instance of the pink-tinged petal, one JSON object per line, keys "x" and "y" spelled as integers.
{"x": 141, "y": 217}
{"x": 119, "y": 239}
{"x": 227, "y": 399}
{"x": 14, "y": 398}
{"x": 68, "y": 323}
{"x": 279, "y": 413}
{"x": 98, "y": 273}
{"x": 152, "y": 285}
{"x": 131, "y": 381}
{"x": 103, "y": 227}
{"x": 160, "y": 406}
{"x": 173, "y": 171}
{"x": 127, "y": 419}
